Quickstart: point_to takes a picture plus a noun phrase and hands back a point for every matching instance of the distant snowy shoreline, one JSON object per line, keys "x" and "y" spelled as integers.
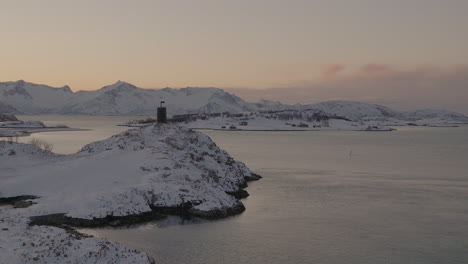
{"x": 23, "y": 132}
{"x": 327, "y": 116}
{"x": 10, "y": 126}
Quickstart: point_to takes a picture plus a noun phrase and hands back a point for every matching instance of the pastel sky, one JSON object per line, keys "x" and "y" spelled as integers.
{"x": 294, "y": 44}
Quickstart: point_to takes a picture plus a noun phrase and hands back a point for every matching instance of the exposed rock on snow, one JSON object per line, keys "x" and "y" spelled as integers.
{"x": 22, "y": 124}
{"x": 145, "y": 173}
{"x": 140, "y": 122}
{"x": 7, "y": 117}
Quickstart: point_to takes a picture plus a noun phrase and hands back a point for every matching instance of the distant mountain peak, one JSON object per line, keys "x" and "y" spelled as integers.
{"x": 119, "y": 82}
{"x": 119, "y": 85}
{"x": 66, "y": 88}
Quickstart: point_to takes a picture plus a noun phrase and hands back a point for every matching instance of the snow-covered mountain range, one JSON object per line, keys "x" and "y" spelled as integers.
{"x": 122, "y": 98}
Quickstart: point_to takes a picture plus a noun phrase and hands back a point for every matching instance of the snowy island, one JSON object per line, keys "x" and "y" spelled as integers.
{"x": 138, "y": 175}
{"x": 326, "y": 116}
{"x": 283, "y": 120}
{"x": 10, "y": 126}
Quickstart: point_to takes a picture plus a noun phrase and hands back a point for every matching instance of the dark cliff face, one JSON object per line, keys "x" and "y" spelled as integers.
{"x": 228, "y": 98}
{"x": 66, "y": 89}
{"x": 8, "y": 109}
{"x": 18, "y": 89}
{"x": 7, "y": 117}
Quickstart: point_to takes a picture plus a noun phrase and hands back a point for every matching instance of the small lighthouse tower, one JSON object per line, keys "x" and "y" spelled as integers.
{"x": 162, "y": 114}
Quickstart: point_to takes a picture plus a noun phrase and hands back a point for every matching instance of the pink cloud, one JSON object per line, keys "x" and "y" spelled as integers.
{"x": 425, "y": 86}
{"x": 372, "y": 69}
{"x": 332, "y": 70}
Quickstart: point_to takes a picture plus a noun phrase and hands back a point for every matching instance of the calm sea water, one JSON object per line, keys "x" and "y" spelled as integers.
{"x": 99, "y": 128}
{"x": 326, "y": 197}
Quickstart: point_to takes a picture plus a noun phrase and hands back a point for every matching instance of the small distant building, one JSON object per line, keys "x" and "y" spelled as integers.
{"x": 325, "y": 123}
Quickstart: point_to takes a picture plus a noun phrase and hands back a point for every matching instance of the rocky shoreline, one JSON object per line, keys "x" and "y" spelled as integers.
{"x": 71, "y": 224}
{"x": 185, "y": 210}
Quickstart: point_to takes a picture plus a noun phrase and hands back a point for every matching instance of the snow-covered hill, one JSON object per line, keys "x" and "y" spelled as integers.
{"x": 434, "y": 116}
{"x": 354, "y": 111}
{"x": 138, "y": 173}
{"x": 131, "y": 173}
{"x": 357, "y": 111}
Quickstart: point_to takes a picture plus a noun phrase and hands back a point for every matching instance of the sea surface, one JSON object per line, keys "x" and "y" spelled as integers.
{"x": 325, "y": 197}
